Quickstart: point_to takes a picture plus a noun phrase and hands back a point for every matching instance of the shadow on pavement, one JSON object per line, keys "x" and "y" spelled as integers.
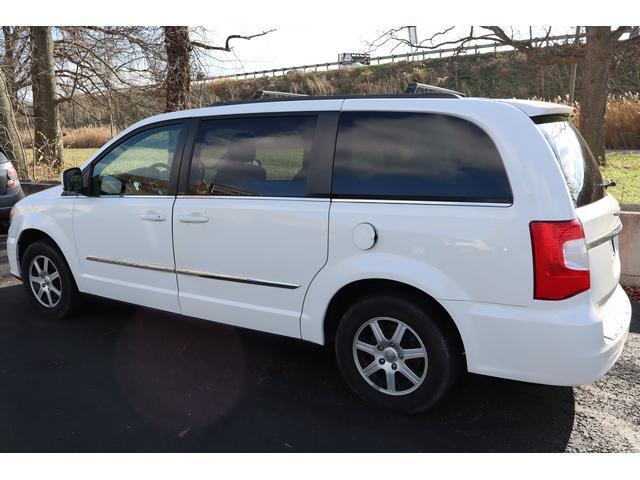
{"x": 120, "y": 378}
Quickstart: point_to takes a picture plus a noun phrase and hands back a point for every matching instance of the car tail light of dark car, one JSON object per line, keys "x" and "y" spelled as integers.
{"x": 561, "y": 268}
{"x": 12, "y": 179}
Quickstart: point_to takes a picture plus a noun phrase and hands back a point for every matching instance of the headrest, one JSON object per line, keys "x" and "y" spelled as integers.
{"x": 241, "y": 150}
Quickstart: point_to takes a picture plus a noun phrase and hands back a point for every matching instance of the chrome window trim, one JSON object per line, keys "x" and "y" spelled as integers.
{"x": 606, "y": 237}
{"x": 422, "y": 202}
{"x": 133, "y": 196}
{"x": 252, "y": 197}
{"x": 351, "y": 200}
{"x": 196, "y": 273}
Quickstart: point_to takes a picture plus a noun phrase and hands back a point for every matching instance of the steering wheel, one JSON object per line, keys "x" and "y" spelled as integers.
{"x": 154, "y": 177}
{"x": 159, "y": 166}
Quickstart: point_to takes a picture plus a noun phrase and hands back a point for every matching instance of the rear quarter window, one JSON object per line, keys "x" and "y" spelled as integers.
{"x": 416, "y": 156}
{"x": 579, "y": 167}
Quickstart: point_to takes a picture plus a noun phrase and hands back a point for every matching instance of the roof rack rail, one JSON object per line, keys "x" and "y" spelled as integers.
{"x": 416, "y": 87}
{"x": 261, "y": 94}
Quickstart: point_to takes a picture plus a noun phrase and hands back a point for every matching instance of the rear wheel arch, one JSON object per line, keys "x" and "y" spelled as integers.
{"x": 351, "y": 293}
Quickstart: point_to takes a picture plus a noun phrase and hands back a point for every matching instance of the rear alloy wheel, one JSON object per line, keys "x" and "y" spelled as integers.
{"x": 396, "y": 353}
{"x": 396, "y": 365}
{"x": 48, "y": 281}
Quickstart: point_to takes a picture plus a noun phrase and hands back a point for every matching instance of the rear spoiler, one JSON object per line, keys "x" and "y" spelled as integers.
{"x": 534, "y": 109}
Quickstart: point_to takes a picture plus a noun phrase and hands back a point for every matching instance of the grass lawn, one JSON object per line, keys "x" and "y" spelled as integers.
{"x": 74, "y": 157}
{"x": 623, "y": 167}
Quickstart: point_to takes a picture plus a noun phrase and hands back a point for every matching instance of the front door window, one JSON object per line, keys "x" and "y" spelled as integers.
{"x": 140, "y": 165}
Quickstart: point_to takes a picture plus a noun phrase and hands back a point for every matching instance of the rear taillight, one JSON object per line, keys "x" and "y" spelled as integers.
{"x": 560, "y": 263}
{"x": 12, "y": 178}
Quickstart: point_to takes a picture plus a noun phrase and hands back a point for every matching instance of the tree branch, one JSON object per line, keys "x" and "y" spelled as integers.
{"x": 227, "y": 44}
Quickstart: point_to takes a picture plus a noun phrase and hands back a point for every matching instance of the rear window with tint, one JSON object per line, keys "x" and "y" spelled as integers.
{"x": 3, "y": 158}
{"x": 416, "y": 156}
{"x": 579, "y": 166}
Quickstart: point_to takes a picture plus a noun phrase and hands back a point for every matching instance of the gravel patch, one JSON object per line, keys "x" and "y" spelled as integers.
{"x": 607, "y": 412}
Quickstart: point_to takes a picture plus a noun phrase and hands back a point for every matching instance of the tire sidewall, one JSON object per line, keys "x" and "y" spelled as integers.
{"x": 69, "y": 289}
{"x": 441, "y": 367}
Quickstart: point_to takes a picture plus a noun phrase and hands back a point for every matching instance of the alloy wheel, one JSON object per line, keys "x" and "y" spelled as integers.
{"x": 390, "y": 356}
{"x": 45, "y": 281}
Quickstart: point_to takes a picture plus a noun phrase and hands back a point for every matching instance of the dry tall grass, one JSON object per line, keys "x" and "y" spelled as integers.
{"x": 92, "y": 136}
{"x": 621, "y": 120}
{"x": 87, "y": 137}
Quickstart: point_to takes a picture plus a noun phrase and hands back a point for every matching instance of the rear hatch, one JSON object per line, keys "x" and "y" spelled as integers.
{"x": 598, "y": 211}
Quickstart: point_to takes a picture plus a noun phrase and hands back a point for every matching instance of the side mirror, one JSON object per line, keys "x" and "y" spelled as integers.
{"x": 72, "y": 180}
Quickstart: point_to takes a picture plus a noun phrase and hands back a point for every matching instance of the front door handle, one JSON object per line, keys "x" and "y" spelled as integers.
{"x": 193, "y": 218}
{"x": 153, "y": 217}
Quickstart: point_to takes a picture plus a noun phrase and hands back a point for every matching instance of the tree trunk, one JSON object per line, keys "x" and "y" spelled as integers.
{"x": 9, "y": 137}
{"x": 178, "y": 81}
{"x": 9, "y": 64}
{"x": 594, "y": 89}
{"x": 48, "y": 140}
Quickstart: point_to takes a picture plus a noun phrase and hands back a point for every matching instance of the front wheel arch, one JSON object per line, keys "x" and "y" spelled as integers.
{"x": 28, "y": 237}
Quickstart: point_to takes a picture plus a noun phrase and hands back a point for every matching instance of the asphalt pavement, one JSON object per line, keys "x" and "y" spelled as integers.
{"x": 119, "y": 378}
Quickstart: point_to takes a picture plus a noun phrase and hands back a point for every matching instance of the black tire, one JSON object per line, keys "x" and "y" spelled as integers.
{"x": 69, "y": 296}
{"x": 440, "y": 369}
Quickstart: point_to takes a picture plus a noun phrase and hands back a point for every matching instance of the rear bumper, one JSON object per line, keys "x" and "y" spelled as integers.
{"x": 570, "y": 342}
{"x": 4, "y": 214}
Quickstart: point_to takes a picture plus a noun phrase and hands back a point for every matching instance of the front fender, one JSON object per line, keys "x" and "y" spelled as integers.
{"x": 371, "y": 265}
{"x": 55, "y": 221}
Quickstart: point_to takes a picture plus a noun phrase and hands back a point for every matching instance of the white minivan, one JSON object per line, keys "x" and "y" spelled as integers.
{"x": 420, "y": 236}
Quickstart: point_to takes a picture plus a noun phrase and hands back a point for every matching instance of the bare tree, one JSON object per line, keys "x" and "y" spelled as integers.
{"x": 178, "y": 81}
{"x": 595, "y": 52}
{"x": 9, "y": 137}
{"x": 179, "y": 50}
{"x": 14, "y": 62}
{"x": 47, "y": 137}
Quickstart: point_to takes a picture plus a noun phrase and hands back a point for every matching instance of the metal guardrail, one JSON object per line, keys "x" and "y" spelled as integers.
{"x": 407, "y": 57}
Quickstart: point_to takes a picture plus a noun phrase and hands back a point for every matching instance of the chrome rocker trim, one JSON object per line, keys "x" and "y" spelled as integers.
{"x": 195, "y": 273}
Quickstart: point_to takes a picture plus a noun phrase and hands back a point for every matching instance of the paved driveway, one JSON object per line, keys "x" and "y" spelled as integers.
{"x": 121, "y": 378}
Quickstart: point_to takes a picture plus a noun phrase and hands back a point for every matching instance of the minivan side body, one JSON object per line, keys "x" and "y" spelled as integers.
{"x": 287, "y": 259}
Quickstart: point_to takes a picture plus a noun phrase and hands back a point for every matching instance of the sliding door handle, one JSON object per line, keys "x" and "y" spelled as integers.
{"x": 193, "y": 218}
{"x": 153, "y": 217}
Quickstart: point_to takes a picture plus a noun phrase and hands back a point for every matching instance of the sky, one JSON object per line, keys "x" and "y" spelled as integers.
{"x": 288, "y": 46}
{"x": 293, "y": 45}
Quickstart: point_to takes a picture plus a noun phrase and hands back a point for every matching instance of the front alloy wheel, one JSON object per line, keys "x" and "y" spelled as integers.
{"x": 48, "y": 281}
{"x": 45, "y": 281}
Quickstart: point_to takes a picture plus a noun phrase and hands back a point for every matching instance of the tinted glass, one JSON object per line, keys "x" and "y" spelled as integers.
{"x": 3, "y": 158}
{"x": 416, "y": 156}
{"x": 140, "y": 165}
{"x": 252, "y": 156}
{"x": 579, "y": 167}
